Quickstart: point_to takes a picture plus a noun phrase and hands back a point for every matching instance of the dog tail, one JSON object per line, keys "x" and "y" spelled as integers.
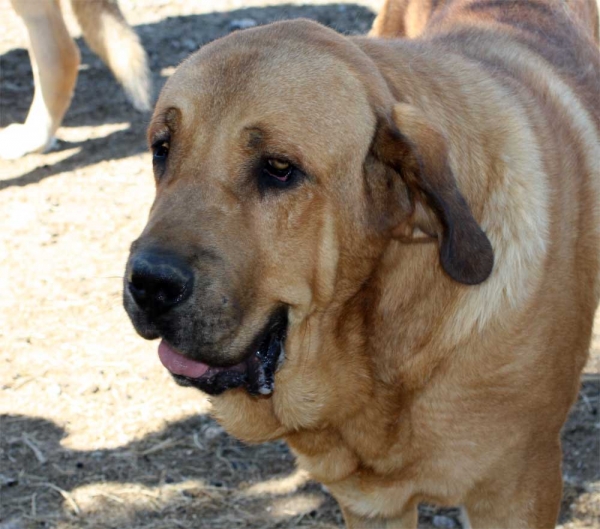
{"x": 107, "y": 33}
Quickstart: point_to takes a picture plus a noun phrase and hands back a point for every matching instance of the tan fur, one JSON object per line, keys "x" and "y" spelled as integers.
{"x": 410, "y": 375}
{"x": 55, "y": 60}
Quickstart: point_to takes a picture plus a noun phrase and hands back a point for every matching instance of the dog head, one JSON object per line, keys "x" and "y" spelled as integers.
{"x": 283, "y": 167}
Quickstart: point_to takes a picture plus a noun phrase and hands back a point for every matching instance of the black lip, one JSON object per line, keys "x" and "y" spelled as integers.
{"x": 256, "y": 372}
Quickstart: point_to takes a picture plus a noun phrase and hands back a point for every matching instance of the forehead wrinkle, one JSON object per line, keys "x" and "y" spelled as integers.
{"x": 163, "y": 121}
{"x": 254, "y": 136}
{"x": 262, "y": 137}
{"x": 157, "y": 125}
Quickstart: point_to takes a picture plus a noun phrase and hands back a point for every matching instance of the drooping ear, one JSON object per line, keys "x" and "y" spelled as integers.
{"x": 418, "y": 152}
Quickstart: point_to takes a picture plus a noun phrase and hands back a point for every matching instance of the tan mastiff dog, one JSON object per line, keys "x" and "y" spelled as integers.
{"x": 55, "y": 61}
{"x": 385, "y": 252}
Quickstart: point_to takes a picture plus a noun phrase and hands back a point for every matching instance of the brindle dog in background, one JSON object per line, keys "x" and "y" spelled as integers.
{"x": 385, "y": 251}
{"x": 408, "y": 18}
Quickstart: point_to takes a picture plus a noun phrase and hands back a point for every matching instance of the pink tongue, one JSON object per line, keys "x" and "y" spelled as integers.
{"x": 178, "y": 364}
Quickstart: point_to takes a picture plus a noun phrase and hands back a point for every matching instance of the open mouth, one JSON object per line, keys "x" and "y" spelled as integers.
{"x": 256, "y": 372}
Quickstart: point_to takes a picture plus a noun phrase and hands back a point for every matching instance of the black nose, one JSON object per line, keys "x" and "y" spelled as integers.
{"x": 159, "y": 281}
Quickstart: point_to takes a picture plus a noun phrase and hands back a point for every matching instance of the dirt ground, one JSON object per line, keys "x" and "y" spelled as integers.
{"x": 94, "y": 433}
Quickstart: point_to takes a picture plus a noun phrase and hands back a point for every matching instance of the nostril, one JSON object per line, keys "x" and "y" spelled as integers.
{"x": 172, "y": 291}
{"x": 137, "y": 281}
{"x": 136, "y": 287}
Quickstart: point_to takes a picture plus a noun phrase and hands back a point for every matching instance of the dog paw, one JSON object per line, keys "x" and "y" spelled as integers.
{"x": 18, "y": 140}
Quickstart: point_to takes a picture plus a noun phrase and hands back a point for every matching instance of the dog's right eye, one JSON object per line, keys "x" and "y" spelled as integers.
{"x": 160, "y": 151}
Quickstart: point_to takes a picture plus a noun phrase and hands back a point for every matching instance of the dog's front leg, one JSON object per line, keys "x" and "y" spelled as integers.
{"x": 55, "y": 61}
{"x": 526, "y": 495}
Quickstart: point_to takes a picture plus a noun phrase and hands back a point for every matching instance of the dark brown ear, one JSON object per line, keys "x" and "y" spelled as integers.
{"x": 418, "y": 152}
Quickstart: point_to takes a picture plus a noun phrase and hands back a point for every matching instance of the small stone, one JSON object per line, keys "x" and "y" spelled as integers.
{"x": 242, "y": 23}
{"x": 8, "y": 481}
{"x": 190, "y": 44}
{"x": 444, "y": 522}
{"x": 212, "y": 431}
{"x": 54, "y": 389}
{"x": 13, "y": 523}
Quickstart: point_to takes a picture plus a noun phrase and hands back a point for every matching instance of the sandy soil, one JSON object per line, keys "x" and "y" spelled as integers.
{"x": 93, "y": 431}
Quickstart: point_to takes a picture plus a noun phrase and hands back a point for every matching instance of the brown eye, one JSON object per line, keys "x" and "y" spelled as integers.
{"x": 278, "y": 173}
{"x": 279, "y": 169}
{"x": 160, "y": 151}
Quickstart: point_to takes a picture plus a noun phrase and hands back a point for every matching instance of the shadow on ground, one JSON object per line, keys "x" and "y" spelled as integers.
{"x": 192, "y": 471}
{"x": 99, "y": 100}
